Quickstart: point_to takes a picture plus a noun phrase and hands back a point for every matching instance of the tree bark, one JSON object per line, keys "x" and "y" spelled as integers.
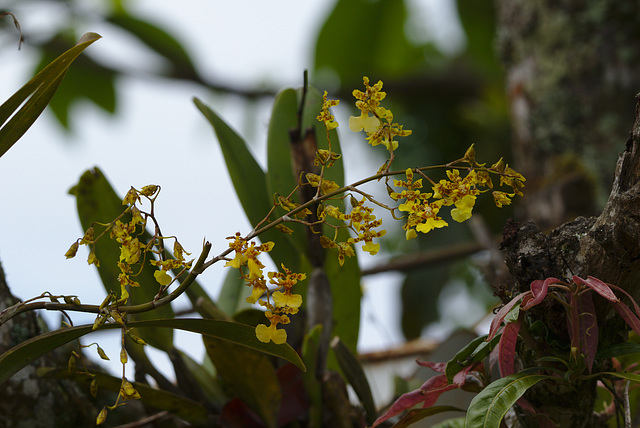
{"x": 571, "y": 72}
{"x": 570, "y": 67}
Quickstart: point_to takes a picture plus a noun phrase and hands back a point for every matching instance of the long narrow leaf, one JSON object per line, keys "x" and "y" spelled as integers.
{"x": 507, "y": 348}
{"x": 354, "y": 373}
{"x": 249, "y": 182}
{"x": 428, "y": 394}
{"x": 20, "y": 356}
{"x": 43, "y": 86}
{"x": 184, "y": 408}
{"x": 489, "y": 407}
{"x": 627, "y": 314}
{"x": 502, "y": 313}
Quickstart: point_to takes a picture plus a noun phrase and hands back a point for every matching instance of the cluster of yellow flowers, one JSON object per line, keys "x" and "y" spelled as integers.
{"x": 379, "y": 127}
{"x": 361, "y": 221}
{"x": 132, "y": 250}
{"x": 285, "y": 303}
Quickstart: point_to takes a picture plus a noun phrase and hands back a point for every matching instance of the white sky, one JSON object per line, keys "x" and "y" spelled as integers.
{"x": 159, "y": 137}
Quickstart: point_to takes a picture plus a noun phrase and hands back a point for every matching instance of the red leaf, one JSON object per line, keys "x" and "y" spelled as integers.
{"x": 539, "y": 290}
{"x": 635, "y": 305}
{"x": 507, "y": 348}
{"x": 628, "y": 316}
{"x": 587, "y": 326}
{"x": 436, "y": 367}
{"x": 598, "y": 286}
{"x": 427, "y": 394}
{"x": 497, "y": 320}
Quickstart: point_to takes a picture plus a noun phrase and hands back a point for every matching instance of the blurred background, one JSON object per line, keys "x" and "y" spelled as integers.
{"x": 126, "y": 107}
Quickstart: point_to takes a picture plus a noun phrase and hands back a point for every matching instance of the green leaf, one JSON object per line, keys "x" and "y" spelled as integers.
{"x": 184, "y": 408}
{"x": 249, "y": 182}
{"x": 354, "y": 373}
{"x": 310, "y": 378}
{"x": 87, "y": 79}
{"x": 489, "y": 407}
{"x": 98, "y": 202}
{"x": 40, "y": 89}
{"x": 210, "y": 385}
{"x": 618, "y": 349}
{"x": 28, "y": 351}
{"x": 281, "y": 178}
{"x": 159, "y": 41}
{"x": 247, "y": 374}
{"x": 451, "y": 423}
{"x": 416, "y": 415}
{"x": 344, "y": 280}
{"x": 474, "y": 352}
{"x": 354, "y": 50}
{"x": 233, "y": 293}
{"x": 633, "y": 377}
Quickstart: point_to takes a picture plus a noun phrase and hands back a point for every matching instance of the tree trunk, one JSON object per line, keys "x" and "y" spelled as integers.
{"x": 570, "y": 79}
{"x": 572, "y": 72}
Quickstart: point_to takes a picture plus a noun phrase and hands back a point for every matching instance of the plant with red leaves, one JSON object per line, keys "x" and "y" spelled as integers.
{"x": 497, "y": 397}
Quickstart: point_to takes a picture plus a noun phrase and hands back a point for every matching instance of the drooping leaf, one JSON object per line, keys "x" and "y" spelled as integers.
{"x": 635, "y": 304}
{"x": 627, "y": 314}
{"x": 97, "y": 201}
{"x": 489, "y": 407}
{"x": 427, "y": 394}
{"x": 353, "y": 371}
{"x": 184, "y": 408}
{"x": 43, "y": 86}
{"x": 20, "y": 356}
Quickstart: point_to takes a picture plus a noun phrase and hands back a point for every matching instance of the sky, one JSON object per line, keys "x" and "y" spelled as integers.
{"x": 159, "y": 137}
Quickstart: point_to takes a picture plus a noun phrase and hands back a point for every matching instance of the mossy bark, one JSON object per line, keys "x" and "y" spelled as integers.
{"x": 572, "y": 78}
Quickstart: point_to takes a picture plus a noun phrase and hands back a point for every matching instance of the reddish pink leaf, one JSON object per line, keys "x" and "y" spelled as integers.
{"x": 598, "y": 286}
{"x": 507, "y": 348}
{"x": 586, "y": 328}
{"x": 628, "y": 316}
{"x": 635, "y": 305}
{"x": 502, "y": 313}
{"x": 436, "y": 367}
{"x": 427, "y": 394}
{"x": 539, "y": 290}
